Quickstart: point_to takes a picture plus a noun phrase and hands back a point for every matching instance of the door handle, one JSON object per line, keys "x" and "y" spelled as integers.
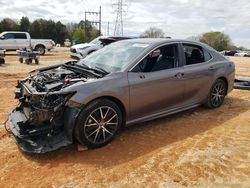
{"x": 142, "y": 76}
{"x": 179, "y": 75}
{"x": 211, "y": 68}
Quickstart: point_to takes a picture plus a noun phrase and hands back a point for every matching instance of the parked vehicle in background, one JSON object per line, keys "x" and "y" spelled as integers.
{"x": 13, "y": 40}
{"x": 126, "y": 82}
{"x": 67, "y": 43}
{"x": 80, "y": 51}
{"x": 242, "y": 54}
{"x": 229, "y": 52}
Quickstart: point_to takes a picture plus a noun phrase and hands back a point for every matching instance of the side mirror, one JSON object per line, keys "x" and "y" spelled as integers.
{"x": 155, "y": 53}
{"x": 2, "y": 37}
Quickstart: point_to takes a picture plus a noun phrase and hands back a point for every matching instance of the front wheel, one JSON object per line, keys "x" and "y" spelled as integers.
{"x": 217, "y": 94}
{"x": 98, "y": 123}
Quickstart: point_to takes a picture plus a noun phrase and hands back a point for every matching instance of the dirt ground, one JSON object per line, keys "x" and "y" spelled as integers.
{"x": 197, "y": 148}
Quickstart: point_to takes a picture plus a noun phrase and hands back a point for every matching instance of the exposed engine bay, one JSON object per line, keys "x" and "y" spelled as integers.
{"x": 43, "y": 105}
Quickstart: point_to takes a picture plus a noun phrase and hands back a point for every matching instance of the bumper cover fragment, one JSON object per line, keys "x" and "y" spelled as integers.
{"x": 35, "y": 140}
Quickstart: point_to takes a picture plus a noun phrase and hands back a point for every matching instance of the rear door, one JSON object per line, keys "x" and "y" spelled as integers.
{"x": 156, "y": 83}
{"x": 22, "y": 40}
{"x": 198, "y": 73}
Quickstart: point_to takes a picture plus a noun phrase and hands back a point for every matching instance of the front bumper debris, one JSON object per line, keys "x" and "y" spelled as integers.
{"x": 32, "y": 139}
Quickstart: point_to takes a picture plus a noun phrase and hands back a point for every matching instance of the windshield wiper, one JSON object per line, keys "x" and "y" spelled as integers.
{"x": 101, "y": 69}
{"x": 98, "y": 69}
{"x": 79, "y": 69}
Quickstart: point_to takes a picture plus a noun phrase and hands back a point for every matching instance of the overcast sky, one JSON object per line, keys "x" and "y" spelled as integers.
{"x": 178, "y": 18}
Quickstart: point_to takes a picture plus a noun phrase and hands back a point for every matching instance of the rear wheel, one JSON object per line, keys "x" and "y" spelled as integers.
{"x": 40, "y": 49}
{"x": 217, "y": 94}
{"x": 98, "y": 123}
{"x": 28, "y": 61}
{"x": 37, "y": 61}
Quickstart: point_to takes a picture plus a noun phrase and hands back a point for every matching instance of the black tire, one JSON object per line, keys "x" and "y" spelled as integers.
{"x": 40, "y": 49}
{"x": 2, "y": 61}
{"x": 21, "y": 60}
{"x": 28, "y": 61}
{"x": 95, "y": 131}
{"x": 37, "y": 61}
{"x": 217, "y": 94}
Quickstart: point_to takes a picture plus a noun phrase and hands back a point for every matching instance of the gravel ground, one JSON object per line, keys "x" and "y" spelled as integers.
{"x": 196, "y": 148}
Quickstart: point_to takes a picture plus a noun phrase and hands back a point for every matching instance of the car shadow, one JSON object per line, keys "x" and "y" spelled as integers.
{"x": 142, "y": 139}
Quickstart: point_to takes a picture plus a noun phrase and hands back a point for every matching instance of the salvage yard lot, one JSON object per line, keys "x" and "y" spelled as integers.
{"x": 199, "y": 147}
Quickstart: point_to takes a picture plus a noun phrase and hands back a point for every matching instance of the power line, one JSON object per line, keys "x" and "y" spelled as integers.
{"x": 119, "y": 18}
{"x": 93, "y": 22}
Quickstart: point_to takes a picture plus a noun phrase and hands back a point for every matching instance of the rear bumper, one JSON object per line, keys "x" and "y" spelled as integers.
{"x": 35, "y": 139}
{"x": 231, "y": 78}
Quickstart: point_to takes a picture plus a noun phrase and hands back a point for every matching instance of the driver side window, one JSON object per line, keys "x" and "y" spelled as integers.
{"x": 165, "y": 57}
{"x": 9, "y": 36}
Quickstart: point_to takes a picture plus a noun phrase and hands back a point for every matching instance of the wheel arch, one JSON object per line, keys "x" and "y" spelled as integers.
{"x": 38, "y": 45}
{"x": 117, "y": 102}
{"x": 225, "y": 80}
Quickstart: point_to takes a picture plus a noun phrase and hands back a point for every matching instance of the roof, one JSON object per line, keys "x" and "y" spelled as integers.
{"x": 159, "y": 41}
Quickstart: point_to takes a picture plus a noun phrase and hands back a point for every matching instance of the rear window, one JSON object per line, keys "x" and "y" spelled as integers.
{"x": 20, "y": 36}
{"x": 195, "y": 54}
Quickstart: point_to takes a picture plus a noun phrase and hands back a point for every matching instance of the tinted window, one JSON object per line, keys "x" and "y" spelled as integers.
{"x": 20, "y": 35}
{"x": 165, "y": 57}
{"x": 194, "y": 54}
{"x": 207, "y": 56}
{"x": 9, "y": 36}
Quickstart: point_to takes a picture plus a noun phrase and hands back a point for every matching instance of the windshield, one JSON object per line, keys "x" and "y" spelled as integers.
{"x": 115, "y": 57}
{"x": 96, "y": 41}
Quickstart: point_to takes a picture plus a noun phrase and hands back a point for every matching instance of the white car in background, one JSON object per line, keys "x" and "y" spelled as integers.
{"x": 80, "y": 51}
{"x": 243, "y": 54}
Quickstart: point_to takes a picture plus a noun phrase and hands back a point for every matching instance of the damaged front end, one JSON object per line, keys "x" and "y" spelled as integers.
{"x": 43, "y": 121}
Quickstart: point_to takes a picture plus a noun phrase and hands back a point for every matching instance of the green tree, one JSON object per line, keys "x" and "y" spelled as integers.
{"x": 25, "y": 24}
{"x": 8, "y": 24}
{"x": 61, "y": 33}
{"x": 217, "y": 40}
{"x": 153, "y": 32}
{"x": 35, "y": 30}
{"x": 79, "y": 35}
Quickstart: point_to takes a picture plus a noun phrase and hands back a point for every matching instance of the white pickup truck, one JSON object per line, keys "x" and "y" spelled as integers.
{"x": 12, "y": 40}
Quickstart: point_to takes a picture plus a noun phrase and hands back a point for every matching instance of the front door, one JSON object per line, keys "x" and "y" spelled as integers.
{"x": 9, "y": 42}
{"x": 156, "y": 83}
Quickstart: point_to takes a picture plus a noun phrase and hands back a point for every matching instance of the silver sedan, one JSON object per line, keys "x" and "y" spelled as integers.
{"x": 125, "y": 83}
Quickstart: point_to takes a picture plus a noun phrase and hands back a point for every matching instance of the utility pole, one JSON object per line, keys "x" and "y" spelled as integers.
{"x": 119, "y": 19}
{"x": 108, "y": 28}
{"x": 93, "y": 22}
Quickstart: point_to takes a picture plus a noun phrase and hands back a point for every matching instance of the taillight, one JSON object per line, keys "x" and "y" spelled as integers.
{"x": 52, "y": 42}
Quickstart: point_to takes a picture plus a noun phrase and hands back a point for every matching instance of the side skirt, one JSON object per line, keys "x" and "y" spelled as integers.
{"x": 161, "y": 114}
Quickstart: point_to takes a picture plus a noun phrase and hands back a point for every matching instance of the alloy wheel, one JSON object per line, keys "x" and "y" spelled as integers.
{"x": 101, "y": 125}
{"x": 218, "y": 94}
